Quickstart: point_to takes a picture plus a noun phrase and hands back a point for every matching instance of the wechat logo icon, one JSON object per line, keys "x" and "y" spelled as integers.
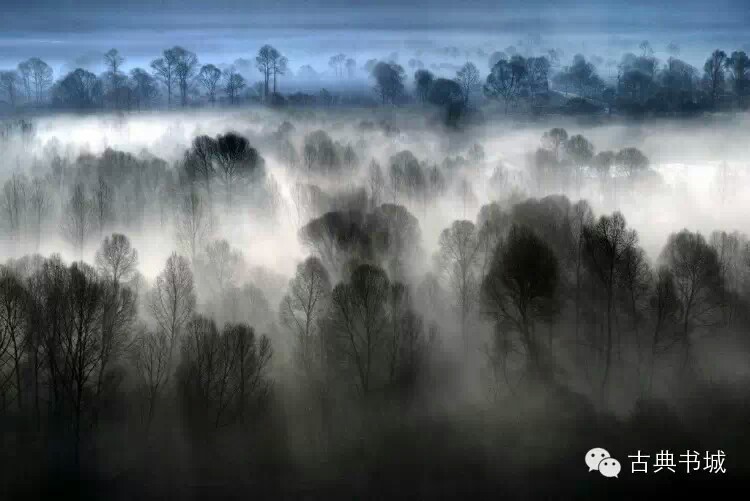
{"x": 599, "y": 459}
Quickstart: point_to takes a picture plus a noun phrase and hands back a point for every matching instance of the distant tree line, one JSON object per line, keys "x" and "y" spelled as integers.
{"x": 637, "y": 84}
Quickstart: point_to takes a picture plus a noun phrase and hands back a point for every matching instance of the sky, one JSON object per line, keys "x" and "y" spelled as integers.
{"x": 70, "y": 33}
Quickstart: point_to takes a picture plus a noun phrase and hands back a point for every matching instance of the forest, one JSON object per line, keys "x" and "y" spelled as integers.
{"x": 368, "y": 282}
{"x": 530, "y": 79}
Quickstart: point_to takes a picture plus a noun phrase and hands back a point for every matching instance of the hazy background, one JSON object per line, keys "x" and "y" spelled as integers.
{"x": 687, "y": 154}
{"x": 70, "y": 34}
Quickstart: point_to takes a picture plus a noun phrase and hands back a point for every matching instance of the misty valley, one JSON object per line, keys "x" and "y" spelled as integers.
{"x": 195, "y": 300}
{"x": 451, "y": 285}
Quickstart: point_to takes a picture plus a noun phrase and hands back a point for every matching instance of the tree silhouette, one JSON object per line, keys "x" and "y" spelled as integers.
{"x": 236, "y": 163}
{"x": 423, "y": 81}
{"x": 266, "y": 62}
{"x": 185, "y": 68}
{"x": 209, "y": 77}
{"x": 165, "y": 69}
{"x": 505, "y": 80}
{"x": 389, "y": 81}
{"x": 172, "y": 300}
{"x": 468, "y": 78}
{"x": 303, "y": 308}
{"x": 714, "y": 74}
{"x": 360, "y": 324}
{"x": 696, "y": 272}
{"x": 606, "y": 243}
{"x": 233, "y": 84}
{"x": 458, "y": 257}
{"x": 520, "y": 289}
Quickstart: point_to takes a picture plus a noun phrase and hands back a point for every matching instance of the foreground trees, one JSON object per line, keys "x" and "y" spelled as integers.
{"x": 222, "y": 375}
{"x": 458, "y": 257}
{"x": 570, "y": 301}
{"x": 606, "y": 245}
{"x": 172, "y": 300}
{"x": 67, "y": 325}
{"x": 374, "y": 335}
{"x": 303, "y": 309}
{"x": 698, "y": 283}
{"x": 519, "y": 290}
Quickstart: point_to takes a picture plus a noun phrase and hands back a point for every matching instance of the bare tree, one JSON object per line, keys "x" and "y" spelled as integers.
{"x": 233, "y": 84}
{"x": 278, "y": 67}
{"x": 209, "y": 77}
{"x": 520, "y": 290}
{"x": 200, "y": 162}
{"x": 555, "y": 139}
{"x": 634, "y": 277}
{"x": 237, "y": 163}
{"x": 732, "y": 251}
{"x": 222, "y": 265}
{"x": 144, "y": 87}
{"x": 632, "y": 161}
{"x": 664, "y": 306}
{"x": 39, "y": 204}
{"x": 172, "y": 301}
{"x": 493, "y": 224}
{"x": 583, "y": 217}
{"x": 248, "y": 372}
{"x": 116, "y": 259}
{"x": 79, "y": 343}
{"x": 714, "y": 74}
{"x": 303, "y": 307}
{"x": 9, "y": 82}
{"x": 468, "y": 78}
{"x": 41, "y": 77}
{"x": 165, "y": 70}
{"x": 221, "y": 372}
{"x": 738, "y": 66}
{"x": 603, "y": 163}
{"x": 406, "y": 347}
{"x": 117, "y": 262}
{"x": 24, "y": 72}
{"x": 376, "y": 182}
{"x": 606, "y": 244}
{"x": 113, "y": 62}
{"x": 77, "y": 227}
{"x": 13, "y": 204}
{"x": 185, "y": 67}
{"x": 696, "y": 271}
{"x": 337, "y": 64}
{"x": 13, "y": 330}
{"x": 579, "y": 151}
{"x": 150, "y": 354}
{"x": 506, "y": 80}
{"x": 117, "y": 317}
{"x": 360, "y": 324}
{"x": 193, "y": 223}
{"x": 389, "y": 81}
{"x": 102, "y": 205}
{"x": 458, "y": 257}
{"x": 265, "y": 61}
{"x": 351, "y": 67}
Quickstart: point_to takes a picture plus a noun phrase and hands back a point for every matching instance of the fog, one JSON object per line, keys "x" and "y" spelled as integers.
{"x": 364, "y": 250}
{"x": 689, "y": 157}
